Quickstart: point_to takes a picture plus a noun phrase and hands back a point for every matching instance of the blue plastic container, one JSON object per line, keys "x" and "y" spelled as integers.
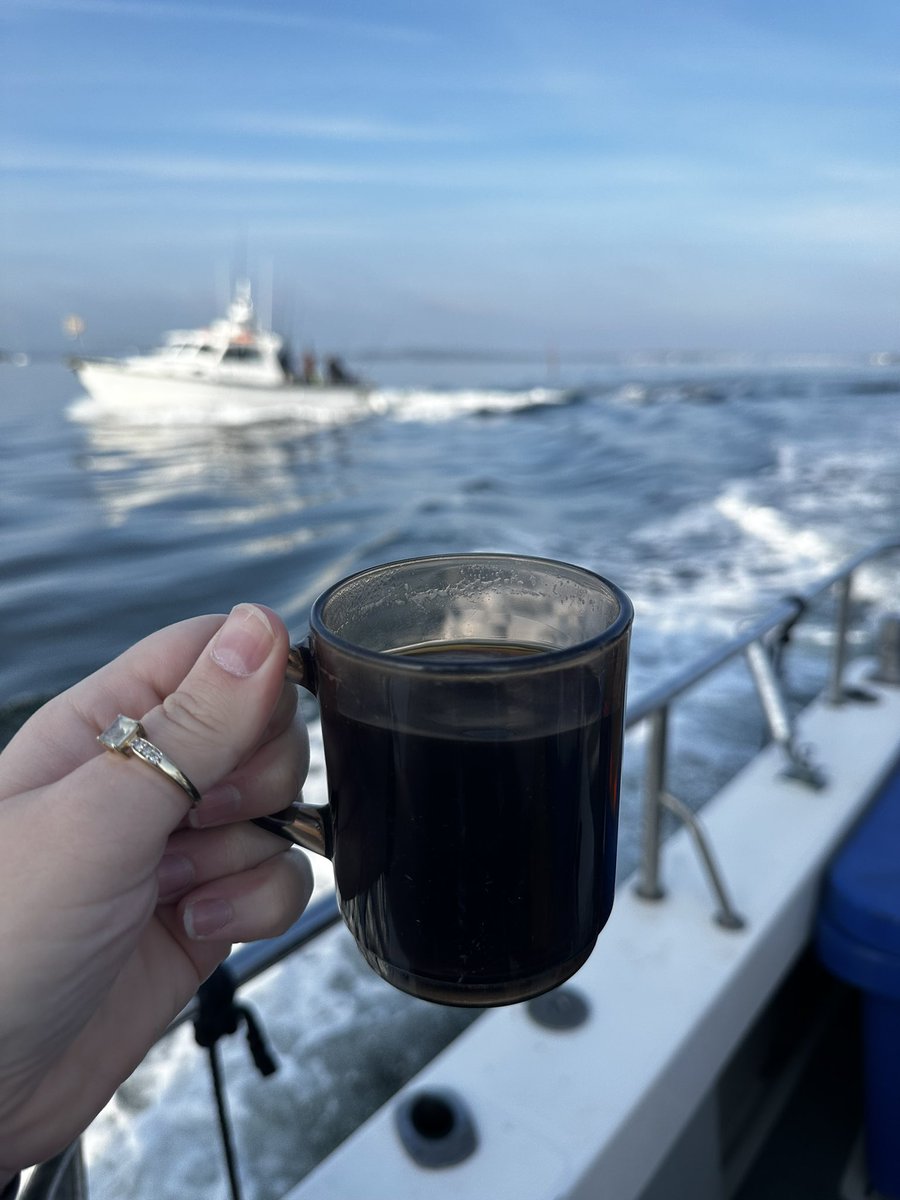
{"x": 859, "y": 941}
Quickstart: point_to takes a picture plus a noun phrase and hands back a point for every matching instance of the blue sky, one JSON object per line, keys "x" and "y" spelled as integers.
{"x": 585, "y": 175}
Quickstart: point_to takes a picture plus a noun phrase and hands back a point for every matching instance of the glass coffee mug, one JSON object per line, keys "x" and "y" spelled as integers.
{"x": 472, "y": 712}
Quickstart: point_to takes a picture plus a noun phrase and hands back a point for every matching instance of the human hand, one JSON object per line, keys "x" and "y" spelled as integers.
{"x": 115, "y": 902}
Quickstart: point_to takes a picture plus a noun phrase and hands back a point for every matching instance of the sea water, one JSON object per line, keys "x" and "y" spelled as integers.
{"x": 706, "y": 489}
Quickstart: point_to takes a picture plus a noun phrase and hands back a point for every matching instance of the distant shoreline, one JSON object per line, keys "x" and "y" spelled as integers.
{"x": 631, "y": 358}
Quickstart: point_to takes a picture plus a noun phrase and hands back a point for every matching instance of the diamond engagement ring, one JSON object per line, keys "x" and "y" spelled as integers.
{"x": 126, "y": 736}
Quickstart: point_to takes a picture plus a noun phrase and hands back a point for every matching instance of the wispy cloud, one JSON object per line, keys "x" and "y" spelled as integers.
{"x": 862, "y": 174}
{"x": 246, "y": 14}
{"x": 532, "y": 174}
{"x": 349, "y": 129}
{"x": 180, "y": 167}
{"x": 848, "y": 225}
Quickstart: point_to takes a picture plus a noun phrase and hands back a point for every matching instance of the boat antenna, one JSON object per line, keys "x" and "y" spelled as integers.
{"x": 240, "y": 257}
{"x": 266, "y": 292}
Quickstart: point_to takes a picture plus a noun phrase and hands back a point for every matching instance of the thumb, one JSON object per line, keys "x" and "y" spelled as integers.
{"x": 208, "y": 725}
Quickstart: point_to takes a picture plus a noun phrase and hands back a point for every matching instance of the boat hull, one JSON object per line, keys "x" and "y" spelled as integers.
{"x": 133, "y": 394}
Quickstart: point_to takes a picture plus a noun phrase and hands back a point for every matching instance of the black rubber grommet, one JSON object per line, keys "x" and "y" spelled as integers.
{"x": 436, "y": 1128}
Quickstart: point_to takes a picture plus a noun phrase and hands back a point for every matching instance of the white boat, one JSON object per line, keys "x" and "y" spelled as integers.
{"x": 703, "y": 1025}
{"x": 230, "y": 363}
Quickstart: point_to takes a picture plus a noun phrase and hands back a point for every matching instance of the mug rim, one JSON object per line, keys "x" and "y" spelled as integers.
{"x": 539, "y": 660}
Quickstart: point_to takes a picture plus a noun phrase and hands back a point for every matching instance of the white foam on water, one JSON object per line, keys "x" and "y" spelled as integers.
{"x": 773, "y": 532}
{"x": 683, "y": 595}
{"x": 630, "y": 394}
{"x": 434, "y": 406}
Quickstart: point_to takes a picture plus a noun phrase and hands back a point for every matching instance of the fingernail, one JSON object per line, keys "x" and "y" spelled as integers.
{"x": 173, "y": 875}
{"x": 243, "y": 643}
{"x": 203, "y": 918}
{"x": 218, "y": 806}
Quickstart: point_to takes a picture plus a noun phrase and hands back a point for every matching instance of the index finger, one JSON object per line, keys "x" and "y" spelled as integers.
{"x": 133, "y": 683}
{"x": 204, "y": 728}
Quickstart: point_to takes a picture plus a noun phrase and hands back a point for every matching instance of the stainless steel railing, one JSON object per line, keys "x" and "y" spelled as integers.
{"x": 754, "y": 642}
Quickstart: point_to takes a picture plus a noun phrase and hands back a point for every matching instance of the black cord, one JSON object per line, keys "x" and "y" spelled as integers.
{"x": 225, "y": 1129}
{"x": 219, "y": 1014}
{"x": 259, "y": 1047}
{"x": 787, "y": 629}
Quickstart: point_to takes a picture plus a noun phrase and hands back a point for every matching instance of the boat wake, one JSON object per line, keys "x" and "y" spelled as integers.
{"x": 415, "y": 404}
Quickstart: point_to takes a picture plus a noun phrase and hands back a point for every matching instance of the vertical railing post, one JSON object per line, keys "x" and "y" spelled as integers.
{"x": 649, "y": 887}
{"x": 839, "y": 655}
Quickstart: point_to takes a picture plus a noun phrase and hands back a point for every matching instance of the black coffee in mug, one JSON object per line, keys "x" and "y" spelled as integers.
{"x": 472, "y": 713}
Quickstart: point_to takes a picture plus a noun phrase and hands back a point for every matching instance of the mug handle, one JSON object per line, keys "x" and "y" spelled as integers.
{"x": 306, "y": 825}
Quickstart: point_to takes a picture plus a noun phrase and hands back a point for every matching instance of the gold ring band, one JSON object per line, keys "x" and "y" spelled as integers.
{"x": 126, "y": 737}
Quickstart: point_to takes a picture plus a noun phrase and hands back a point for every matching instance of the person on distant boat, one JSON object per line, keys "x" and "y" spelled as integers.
{"x": 285, "y": 361}
{"x": 124, "y": 878}
{"x": 338, "y": 374}
{"x": 310, "y": 368}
